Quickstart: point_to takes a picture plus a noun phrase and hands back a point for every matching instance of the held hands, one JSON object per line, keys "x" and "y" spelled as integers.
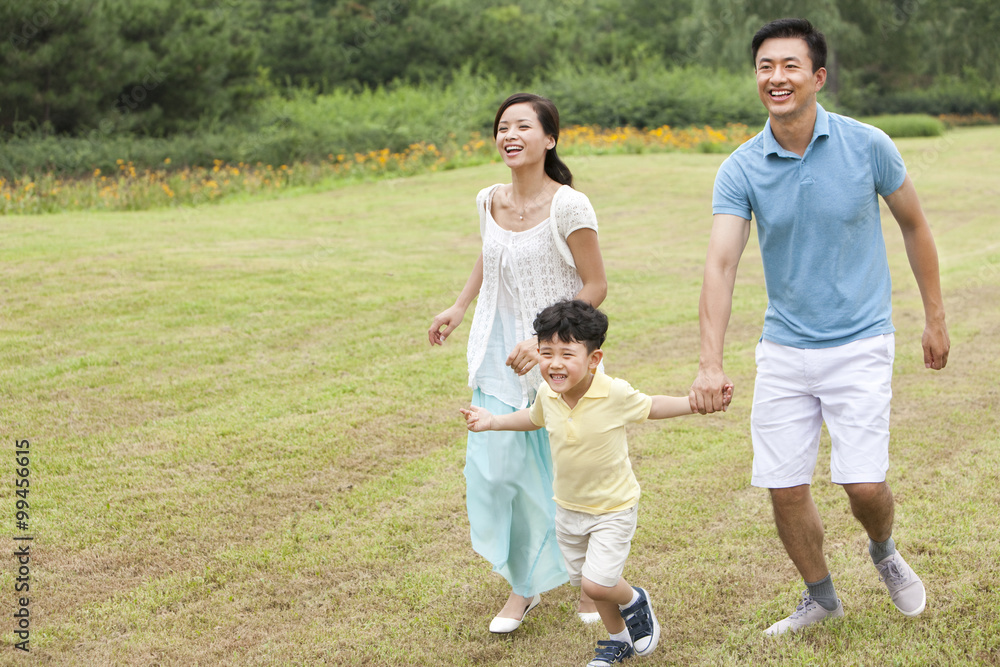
{"x": 524, "y": 356}
{"x": 712, "y": 391}
{"x": 477, "y": 419}
{"x": 449, "y": 319}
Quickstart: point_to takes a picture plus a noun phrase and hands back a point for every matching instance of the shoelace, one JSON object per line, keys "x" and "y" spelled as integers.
{"x": 803, "y": 606}
{"x": 891, "y": 571}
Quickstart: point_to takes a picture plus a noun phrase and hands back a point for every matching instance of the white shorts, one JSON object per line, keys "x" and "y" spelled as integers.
{"x": 595, "y": 545}
{"x": 849, "y": 387}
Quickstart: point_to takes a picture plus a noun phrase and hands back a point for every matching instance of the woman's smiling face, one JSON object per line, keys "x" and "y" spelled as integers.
{"x": 521, "y": 138}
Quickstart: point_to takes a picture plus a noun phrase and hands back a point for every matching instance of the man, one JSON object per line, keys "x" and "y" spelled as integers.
{"x": 812, "y": 180}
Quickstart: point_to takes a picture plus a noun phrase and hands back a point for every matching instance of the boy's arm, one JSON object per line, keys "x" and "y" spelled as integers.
{"x": 665, "y": 407}
{"x": 480, "y": 419}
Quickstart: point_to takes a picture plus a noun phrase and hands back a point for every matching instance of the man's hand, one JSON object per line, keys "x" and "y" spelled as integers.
{"x": 711, "y": 392}
{"x": 936, "y": 344}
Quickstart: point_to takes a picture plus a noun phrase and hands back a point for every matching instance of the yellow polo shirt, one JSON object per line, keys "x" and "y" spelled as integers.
{"x": 592, "y": 470}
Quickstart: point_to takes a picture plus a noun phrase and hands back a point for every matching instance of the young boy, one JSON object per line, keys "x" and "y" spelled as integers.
{"x": 596, "y": 493}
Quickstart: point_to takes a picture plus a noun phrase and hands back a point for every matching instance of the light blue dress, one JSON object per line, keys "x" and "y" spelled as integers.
{"x": 509, "y": 484}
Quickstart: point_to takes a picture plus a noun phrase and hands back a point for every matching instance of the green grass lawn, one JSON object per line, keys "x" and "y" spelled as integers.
{"x": 244, "y": 451}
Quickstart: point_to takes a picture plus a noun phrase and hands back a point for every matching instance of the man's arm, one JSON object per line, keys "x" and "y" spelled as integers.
{"x": 725, "y": 247}
{"x": 922, "y": 253}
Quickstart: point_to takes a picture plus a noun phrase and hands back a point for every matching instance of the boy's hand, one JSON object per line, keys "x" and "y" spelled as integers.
{"x": 477, "y": 419}
{"x": 727, "y": 396}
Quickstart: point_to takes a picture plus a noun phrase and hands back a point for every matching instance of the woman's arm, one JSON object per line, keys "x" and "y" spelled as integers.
{"x": 586, "y": 249}
{"x": 452, "y": 317}
{"x": 590, "y": 265}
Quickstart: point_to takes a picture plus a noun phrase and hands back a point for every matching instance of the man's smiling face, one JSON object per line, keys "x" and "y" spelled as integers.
{"x": 786, "y": 82}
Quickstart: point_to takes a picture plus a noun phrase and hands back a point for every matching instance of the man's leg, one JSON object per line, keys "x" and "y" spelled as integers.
{"x": 856, "y": 393}
{"x": 800, "y": 529}
{"x": 873, "y": 506}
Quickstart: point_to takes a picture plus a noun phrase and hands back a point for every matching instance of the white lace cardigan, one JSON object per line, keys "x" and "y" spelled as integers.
{"x": 542, "y": 263}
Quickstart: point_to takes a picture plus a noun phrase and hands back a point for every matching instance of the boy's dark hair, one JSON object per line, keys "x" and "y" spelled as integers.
{"x": 573, "y": 321}
{"x": 800, "y": 28}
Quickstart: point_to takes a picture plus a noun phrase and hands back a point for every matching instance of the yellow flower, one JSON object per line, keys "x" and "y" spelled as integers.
{"x": 166, "y": 160}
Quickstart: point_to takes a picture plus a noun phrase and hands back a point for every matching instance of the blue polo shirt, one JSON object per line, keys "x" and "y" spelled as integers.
{"x": 819, "y": 228}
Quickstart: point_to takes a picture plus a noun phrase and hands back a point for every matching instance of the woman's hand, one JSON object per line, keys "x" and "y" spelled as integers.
{"x": 449, "y": 319}
{"x": 524, "y": 356}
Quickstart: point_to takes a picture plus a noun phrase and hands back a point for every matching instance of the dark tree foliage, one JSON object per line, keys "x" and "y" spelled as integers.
{"x": 162, "y": 66}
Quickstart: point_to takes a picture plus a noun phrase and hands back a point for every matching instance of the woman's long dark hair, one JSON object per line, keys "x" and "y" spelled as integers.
{"x": 548, "y": 116}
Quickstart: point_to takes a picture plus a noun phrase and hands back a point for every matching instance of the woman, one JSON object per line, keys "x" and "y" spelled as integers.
{"x": 539, "y": 246}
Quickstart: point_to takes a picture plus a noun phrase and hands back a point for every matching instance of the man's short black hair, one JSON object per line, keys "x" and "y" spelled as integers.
{"x": 800, "y": 28}
{"x": 573, "y": 321}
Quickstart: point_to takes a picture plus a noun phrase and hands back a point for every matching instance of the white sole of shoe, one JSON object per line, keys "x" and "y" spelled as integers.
{"x": 501, "y": 626}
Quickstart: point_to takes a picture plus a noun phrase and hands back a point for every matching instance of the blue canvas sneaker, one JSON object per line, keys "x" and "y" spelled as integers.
{"x": 641, "y": 623}
{"x": 610, "y": 653}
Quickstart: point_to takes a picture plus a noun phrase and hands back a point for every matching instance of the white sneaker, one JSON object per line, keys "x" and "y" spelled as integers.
{"x": 808, "y": 612}
{"x": 905, "y": 587}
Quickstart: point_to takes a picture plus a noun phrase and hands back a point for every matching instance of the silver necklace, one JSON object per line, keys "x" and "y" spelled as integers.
{"x": 524, "y": 209}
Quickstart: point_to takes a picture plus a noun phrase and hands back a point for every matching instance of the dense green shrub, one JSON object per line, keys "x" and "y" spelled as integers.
{"x": 963, "y": 96}
{"x": 648, "y": 94}
{"x": 907, "y": 125}
{"x": 307, "y": 125}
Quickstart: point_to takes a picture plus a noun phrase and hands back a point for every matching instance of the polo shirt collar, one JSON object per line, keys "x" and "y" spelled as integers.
{"x": 820, "y": 129}
{"x": 600, "y": 387}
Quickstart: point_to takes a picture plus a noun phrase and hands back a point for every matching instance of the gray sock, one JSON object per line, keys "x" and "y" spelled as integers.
{"x": 822, "y": 592}
{"x": 881, "y": 550}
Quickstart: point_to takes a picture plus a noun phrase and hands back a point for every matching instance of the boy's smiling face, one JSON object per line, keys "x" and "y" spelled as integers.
{"x": 567, "y": 366}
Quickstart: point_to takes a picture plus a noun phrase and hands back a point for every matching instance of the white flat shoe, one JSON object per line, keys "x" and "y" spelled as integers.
{"x": 589, "y": 616}
{"x": 501, "y": 626}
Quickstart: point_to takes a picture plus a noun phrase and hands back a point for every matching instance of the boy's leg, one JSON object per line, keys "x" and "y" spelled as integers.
{"x": 609, "y": 600}
{"x": 623, "y": 609}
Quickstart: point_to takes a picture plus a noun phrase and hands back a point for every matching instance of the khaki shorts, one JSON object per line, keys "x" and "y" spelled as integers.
{"x": 595, "y": 546}
{"x": 849, "y": 387}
